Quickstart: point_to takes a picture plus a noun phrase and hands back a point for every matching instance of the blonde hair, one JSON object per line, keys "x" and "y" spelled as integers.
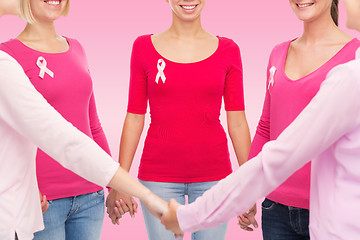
{"x": 27, "y": 15}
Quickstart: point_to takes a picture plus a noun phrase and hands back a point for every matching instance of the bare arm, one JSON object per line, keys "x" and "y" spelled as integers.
{"x": 118, "y": 203}
{"x": 239, "y": 133}
{"x": 240, "y": 137}
{"x": 132, "y": 129}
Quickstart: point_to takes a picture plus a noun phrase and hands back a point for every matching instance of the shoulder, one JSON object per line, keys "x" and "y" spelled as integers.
{"x": 356, "y": 42}
{"x": 74, "y": 43}
{"x": 228, "y": 43}
{"x": 142, "y": 41}
{"x": 281, "y": 47}
{"x": 11, "y": 47}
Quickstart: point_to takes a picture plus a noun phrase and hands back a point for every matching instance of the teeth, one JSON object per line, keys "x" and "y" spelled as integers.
{"x": 53, "y": 2}
{"x": 188, "y": 7}
{"x": 305, "y": 5}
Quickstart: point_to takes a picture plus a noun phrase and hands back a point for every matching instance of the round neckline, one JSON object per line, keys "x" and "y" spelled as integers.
{"x": 316, "y": 70}
{"x": 39, "y": 52}
{"x": 186, "y": 63}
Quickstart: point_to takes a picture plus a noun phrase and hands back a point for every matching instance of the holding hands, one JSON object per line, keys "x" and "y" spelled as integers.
{"x": 171, "y": 223}
{"x": 118, "y": 203}
{"x": 247, "y": 219}
{"x": 169, "y": 219}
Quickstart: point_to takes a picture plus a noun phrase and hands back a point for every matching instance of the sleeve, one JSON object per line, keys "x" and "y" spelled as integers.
{"x": 27, "y": 112}
{"x": 138, "y": 97}
{"x": 332, "y": 113}
{"x": 262, "y": 134}
{"x": 97, "y": 131}
{"x": 234, "y": 89}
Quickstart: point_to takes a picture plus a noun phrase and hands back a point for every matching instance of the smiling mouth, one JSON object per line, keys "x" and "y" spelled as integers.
{"x": 53, "y": 2}
{"x": 188, "y": 7}
{"x": 302, "y": 5}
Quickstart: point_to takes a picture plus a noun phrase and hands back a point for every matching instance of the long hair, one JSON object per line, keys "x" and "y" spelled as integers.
{"x": 335, "y": 11}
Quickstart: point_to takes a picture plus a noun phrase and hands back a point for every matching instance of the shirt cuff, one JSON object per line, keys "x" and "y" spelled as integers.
{"x": 187, "y": 219}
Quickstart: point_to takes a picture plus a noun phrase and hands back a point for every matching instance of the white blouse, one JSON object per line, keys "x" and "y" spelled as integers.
{"x": 27, "y": 121}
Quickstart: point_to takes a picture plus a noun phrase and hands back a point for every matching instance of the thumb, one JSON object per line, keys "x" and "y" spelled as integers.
{"x": 252, "y": 220}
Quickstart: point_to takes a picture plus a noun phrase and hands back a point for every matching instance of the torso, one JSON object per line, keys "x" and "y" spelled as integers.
{"x": 69, "y": 91}
{"x": 290, "y": 92}
{"x": 185, "y": 134}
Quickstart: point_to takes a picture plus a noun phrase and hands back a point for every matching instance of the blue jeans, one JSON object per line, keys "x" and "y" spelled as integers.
{"x": 281, "y": 222}
{"x": 166, "y": 191}
{"x": 74, "y": 218}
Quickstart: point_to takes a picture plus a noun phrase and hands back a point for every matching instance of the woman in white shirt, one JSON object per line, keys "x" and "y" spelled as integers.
{"x": 328, "y": 129}
{"x": 24, "y": 113}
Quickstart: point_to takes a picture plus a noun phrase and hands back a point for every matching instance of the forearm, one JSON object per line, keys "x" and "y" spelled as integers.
{"x": 240, "y": 135}
{"x": 130, "y": 137}
{"x": 123, "y": 182}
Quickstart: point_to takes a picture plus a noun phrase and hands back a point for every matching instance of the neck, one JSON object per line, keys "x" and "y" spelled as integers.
{"x": 39, "y": 31}
{"x": 186, "y": 29}
{"x": 319, "y": 30}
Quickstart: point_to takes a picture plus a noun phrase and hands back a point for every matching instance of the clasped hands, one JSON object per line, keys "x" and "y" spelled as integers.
{"x": 118, "y": 204}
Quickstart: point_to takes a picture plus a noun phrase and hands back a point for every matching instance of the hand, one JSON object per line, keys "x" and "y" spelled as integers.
{"x": 118, "y": 204}
{"x": 248, "y": 218}
{"x": 155, "y": 205}
{"x": 169, "y": 219}
{"x": 44, "y": 203}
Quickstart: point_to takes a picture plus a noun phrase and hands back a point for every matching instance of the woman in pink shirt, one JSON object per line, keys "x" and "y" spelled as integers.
{"x": 295, "y": 71}
{"x": 327, "y": 131}
{"x": 57, "y": 67}
{"x": 184, "y": 73}
{"x": 28, "y": 121}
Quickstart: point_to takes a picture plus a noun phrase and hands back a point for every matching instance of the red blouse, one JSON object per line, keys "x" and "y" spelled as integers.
{"x": 186, "y": 141}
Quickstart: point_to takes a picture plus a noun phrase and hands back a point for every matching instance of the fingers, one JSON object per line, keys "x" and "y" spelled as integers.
{"x": 178, "y": 235}
{"x": 113, "y": 216}
{"x": 130, "y": 208}
{"x": 247, "y": 219}
{"x": 44, "y": 204}
{"x": 134, "y": 205}
{"x": 242, "y": 222}
{"x": 118, "y": 204}
{"x": 169, "y": 219}
{"x": 252, "y": 220}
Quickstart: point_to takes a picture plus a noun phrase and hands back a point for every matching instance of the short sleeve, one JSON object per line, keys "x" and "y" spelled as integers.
{"x": 137, "y": 102}
{"x": 234, "y": 89}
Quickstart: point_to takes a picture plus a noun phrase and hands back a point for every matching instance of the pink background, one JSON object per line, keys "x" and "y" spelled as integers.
{"x": 107, "y": 31}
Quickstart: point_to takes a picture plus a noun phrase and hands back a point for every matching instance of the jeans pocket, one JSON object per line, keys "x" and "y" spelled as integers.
{"x": 267, "y": 204}
{"x": 99, "y": 193}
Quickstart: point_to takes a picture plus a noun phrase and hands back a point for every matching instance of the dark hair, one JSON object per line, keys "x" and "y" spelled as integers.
{"x": 335, "y": 11}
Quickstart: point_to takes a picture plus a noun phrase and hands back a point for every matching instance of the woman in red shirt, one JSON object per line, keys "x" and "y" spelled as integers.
{"x": 184, "y": 73}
